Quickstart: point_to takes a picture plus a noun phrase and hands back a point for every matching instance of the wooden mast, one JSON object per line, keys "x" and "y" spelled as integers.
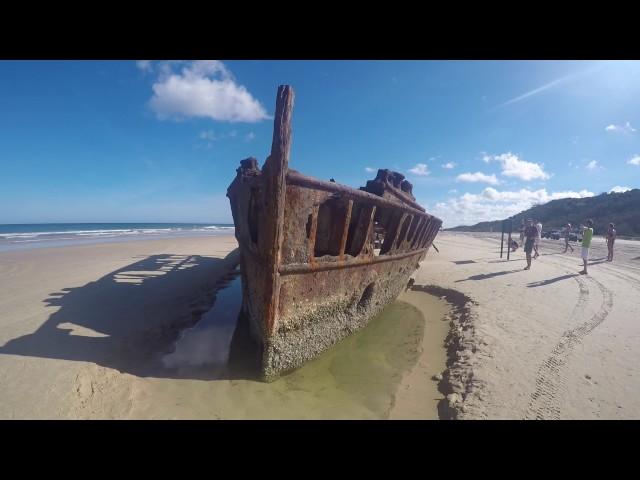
{"x": 275, "y": 172}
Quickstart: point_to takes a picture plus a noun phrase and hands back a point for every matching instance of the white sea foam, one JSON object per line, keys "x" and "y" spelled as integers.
{"x": 110, "y": 232}
{"x": 53, "y": 237}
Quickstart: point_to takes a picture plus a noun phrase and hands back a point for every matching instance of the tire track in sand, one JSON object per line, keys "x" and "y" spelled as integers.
{"x": 544, "y": 402}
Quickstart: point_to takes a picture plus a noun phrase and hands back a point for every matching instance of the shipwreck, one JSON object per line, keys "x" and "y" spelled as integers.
{"x": 319, "y": 259}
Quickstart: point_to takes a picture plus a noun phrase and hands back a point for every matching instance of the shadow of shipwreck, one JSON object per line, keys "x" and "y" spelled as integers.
{"x": 129, "y": 318}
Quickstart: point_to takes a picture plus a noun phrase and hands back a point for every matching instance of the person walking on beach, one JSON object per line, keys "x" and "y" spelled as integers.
{"x": 522, "y": 232}
{"x": 611, "y": 238}
{"x": 567, "y": 234}
{"x": 587, "y": 235}
{"x": 530, "y": 234}
{"x": 536, "y": 244}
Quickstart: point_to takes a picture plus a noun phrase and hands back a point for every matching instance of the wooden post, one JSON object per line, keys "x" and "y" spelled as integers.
{"x": 509, "y": 240}
{"x": 275, "y": 172}
{"x": 502, "y": 239}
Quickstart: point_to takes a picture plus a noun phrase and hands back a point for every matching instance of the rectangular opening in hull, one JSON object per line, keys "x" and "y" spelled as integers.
{"x": 332, "y": 215}
{"x": 359, "y": 227}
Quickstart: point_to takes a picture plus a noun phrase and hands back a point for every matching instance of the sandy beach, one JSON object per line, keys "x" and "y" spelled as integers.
{"x": 85, "y": 329}
{"x": 546, "y": 343}
{"x": 73, "y": 318}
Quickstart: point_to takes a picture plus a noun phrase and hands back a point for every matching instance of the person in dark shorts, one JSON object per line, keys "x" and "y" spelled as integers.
{"x": 530, "y": 235}
{"x": 611, "y": 238}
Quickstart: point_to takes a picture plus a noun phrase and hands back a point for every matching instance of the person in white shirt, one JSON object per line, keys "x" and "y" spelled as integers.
{"x": 537, "y": 242}
{"x": 567, "y": 234}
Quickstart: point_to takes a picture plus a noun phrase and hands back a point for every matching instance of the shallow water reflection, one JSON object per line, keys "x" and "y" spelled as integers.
{"x": 356, "y": 378}
{"x": 208, "y": 342}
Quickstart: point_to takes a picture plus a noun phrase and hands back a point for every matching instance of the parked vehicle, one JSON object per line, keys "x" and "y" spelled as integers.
{"x": 555, "y": 235}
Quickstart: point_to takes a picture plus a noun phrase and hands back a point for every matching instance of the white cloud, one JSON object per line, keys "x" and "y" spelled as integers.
{"x": 209, "y": 135}
{"x": 512, "y": 166}
{"x": 448, "y": 165}
{"x": 369, "y": 169}
{"x": 618, "y": 189}
{"x": 203, "y": 88}
{"x": 492, "y": 204}
{"x": 144, "y": 65}
{"x": 478, "y": 177}
{"x": 635, "y": 160}
{"x": 592, "y": 165}
{"x": 420, "y": 169}
{"x": 212, "y": 136}
{"x": 626, "y": 128}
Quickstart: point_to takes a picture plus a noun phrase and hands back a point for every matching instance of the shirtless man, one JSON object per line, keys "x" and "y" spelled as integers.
{"x": 611, "y": 238}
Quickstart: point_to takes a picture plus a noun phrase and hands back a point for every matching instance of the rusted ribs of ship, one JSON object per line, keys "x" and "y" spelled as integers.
{"x": 318, "y": 259}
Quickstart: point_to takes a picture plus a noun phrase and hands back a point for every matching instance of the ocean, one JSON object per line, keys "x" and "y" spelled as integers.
{"x": 24, "y": 236}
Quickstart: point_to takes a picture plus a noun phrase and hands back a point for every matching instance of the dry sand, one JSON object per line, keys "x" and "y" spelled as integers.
{"x": 73, "y": 318}
{"x": 83, "y": 330}
{"x": 545, "y": 343}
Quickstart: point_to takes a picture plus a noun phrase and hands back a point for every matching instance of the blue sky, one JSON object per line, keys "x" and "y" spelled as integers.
{"x": 151, "y": 141}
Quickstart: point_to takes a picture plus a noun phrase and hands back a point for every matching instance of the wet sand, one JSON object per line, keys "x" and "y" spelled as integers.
{"x": 379, "y": 372}
{"x": 416, "y": 397}
{"x": 121, "y": 331}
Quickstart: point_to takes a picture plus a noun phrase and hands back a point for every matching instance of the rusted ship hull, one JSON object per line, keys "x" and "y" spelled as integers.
{"x": 312, "y": 272}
